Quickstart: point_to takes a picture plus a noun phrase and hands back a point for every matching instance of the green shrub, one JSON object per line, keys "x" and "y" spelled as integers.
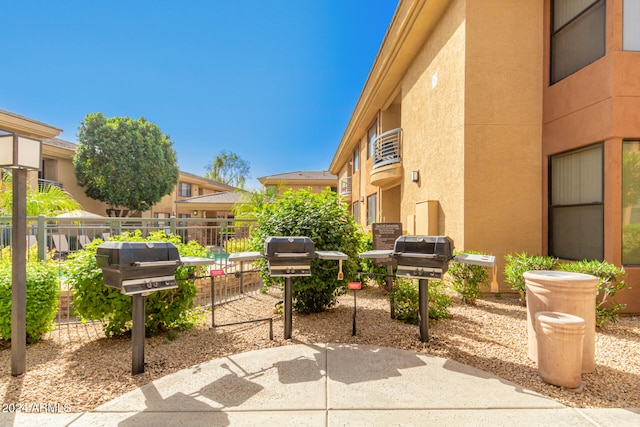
{"x": 466, "y": 279}
{"x": 42, "y": 298}
{"x": 439, "y": 301}
{"x": 236, "y": 245}
{"x": 406, "y": 300}
{"x": 166, "y": 309}
{"x": 610, "y": 279}
{"x": 519, "y": 264}
{"x": 608, "y": 284}
{"x": 327, "y": 222}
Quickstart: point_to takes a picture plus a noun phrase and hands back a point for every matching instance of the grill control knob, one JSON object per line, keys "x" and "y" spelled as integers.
{"x": 148, "y": 285}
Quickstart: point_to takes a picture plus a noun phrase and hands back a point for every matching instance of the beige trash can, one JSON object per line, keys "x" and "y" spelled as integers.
{"x": 563, "y": 292}
{"x": 560, "y": 339}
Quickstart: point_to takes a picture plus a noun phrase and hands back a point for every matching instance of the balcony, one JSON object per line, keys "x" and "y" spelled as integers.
{"x": 345, "y": 188}
{"x": 387, "y": 163}
{"x": 44, "y": 183}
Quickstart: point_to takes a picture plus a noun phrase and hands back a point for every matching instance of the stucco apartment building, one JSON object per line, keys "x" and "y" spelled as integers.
{"x": 510, "y": 126}
{"x": 194, "y": 196}
{"x": 317, "y": 181}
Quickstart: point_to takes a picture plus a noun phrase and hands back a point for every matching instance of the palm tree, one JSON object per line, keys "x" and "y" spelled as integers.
{"x": 49, "y": 200}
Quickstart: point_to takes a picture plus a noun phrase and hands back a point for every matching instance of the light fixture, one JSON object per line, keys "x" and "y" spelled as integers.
{"x": 195, "y": 213}
{"x": 20, "y": 154}
{"x": 415, "y": 176}
{"x": 361, "y": 199}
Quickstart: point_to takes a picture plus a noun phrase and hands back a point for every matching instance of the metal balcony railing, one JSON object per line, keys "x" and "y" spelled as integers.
{"x": 345, "y": 185}
{"x": 43, "y": 183}
{"x": 387, "y": 148}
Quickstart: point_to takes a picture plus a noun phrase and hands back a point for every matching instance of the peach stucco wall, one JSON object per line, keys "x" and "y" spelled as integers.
{"x": 597, "y": 104}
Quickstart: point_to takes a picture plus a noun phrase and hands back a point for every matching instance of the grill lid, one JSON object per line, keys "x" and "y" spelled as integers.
{"x": 138, "y": 267}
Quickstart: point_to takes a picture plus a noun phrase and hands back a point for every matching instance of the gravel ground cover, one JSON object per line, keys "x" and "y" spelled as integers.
{"x": 76, "y": 366}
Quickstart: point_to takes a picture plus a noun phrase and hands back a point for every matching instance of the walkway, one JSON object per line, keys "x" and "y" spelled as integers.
{"x": 332, "y": 385}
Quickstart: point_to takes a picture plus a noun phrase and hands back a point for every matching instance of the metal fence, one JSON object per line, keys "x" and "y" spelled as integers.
{"x": 58, "y": 237}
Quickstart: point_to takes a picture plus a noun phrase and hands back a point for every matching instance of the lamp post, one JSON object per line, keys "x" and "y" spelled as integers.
{"x": 20, "y": 154}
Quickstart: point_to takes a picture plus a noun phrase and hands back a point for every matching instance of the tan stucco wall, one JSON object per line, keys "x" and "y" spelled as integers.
{"x": 66, "y": 175}
{"x": 503, "y": 115}
{"x": 433, "y": 124}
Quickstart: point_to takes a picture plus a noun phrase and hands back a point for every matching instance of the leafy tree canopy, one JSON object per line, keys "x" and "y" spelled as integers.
{"x": 124, "y": 162}
{"x": 228, "y": 168}
{"x": 253, "y": 202}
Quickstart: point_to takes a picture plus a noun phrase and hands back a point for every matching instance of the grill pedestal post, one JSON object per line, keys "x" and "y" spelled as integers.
{"x": 287, "y": 307}
{"x": 392, "y": 309}
{"x": 137, "y": 334}
{"x": 423, "y": 296}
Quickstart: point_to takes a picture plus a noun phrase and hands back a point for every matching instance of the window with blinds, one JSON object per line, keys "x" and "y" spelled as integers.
{"x": 372, "y": 208}
{"x": 577, "y": 35}
{"x": 631, "y": 202}
{"x": 576, "y": 204}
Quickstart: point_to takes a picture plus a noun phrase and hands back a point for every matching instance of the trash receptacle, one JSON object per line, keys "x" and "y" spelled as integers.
{"x": 560, "y": 338}
{"x": 563, "y": 292}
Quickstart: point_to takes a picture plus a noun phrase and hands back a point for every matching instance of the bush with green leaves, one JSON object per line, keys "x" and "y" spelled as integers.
{"x": 519, "y": 264}
{"x": 236, "y": 245}
{"x": 164, "y": 310}
{"x": 405, "y": 298}
{"x": 42, "y": 298}
{"x": 466, "y": 279}
{"x": 327, "y": 222}
{"x": 609, "y": 282}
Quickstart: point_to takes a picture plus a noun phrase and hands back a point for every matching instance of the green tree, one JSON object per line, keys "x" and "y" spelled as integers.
{"x": 129, "y": 164}
{"x": 228, "y": 168}
{"x": 251, "y": 203}
{"x": 48, "y": 200}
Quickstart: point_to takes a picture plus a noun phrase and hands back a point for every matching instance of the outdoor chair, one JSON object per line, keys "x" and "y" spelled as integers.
{"x": 61, "y": 244}
{"x": 83, "y": 241}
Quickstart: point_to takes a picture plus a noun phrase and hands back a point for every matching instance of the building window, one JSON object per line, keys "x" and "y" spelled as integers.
{"x": 372, "y": 134}
{"x": 577, "y": 35}
{"x": 631, "y": 203}
{"x": 372, "y": 207}
{"x": 355, "y": 211}
{"x": 630, "y": 28}
{"x": 184, "y": 189}
{"x": 356, "y": 160}
{"x": 576, "y": 208}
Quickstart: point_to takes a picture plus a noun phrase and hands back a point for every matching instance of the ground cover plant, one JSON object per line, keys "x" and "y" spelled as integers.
{"x": 467, "y": 279}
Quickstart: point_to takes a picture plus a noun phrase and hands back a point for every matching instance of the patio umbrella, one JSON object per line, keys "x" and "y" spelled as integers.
{"x": 78, "y": 213}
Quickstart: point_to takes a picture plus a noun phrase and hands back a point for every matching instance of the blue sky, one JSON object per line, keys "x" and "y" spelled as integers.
{"x": 258, "y": 78}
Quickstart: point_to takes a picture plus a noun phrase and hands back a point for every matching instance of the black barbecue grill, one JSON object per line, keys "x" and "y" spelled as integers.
{"x": 423, "y": 257}
{"x": 138, "y": 267}
{"x": 289, "y": 257}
